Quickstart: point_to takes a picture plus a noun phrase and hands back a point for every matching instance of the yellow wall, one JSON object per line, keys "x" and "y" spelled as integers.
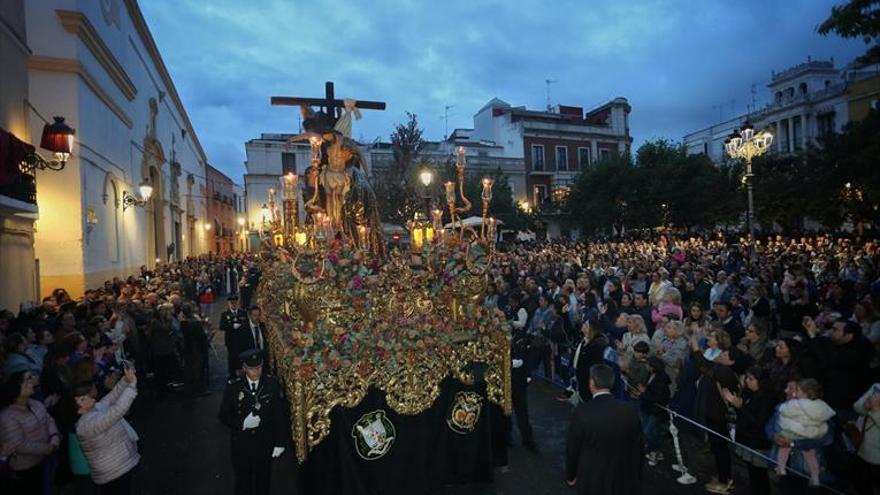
{"x": 861, "y": 94}
{"x": 58, "y": 232}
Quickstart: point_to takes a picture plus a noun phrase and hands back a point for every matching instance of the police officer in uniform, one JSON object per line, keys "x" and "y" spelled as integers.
{"x": 519, "y": 353}
{"x": 253, "y": 410}
{"x": 231, "y": 322}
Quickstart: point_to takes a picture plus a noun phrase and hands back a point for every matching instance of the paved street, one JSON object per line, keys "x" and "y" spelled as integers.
{"x": 186, "y": 451}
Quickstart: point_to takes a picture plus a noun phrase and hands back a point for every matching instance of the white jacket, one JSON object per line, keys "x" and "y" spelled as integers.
{"x": 106, "y": 443}
{"x": 800, "y": 419}
{"x": 870, "y": 449}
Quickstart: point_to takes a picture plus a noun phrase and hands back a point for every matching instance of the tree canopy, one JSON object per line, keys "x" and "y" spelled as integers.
{"x": 835, "y": 181}
{"x": 857, "y": 19}
{"x": 399, "y": 193}
{"x": 662, "y": 186}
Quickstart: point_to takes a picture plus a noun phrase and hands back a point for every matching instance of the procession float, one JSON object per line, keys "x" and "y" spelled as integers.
{"x": 391, "y": 365}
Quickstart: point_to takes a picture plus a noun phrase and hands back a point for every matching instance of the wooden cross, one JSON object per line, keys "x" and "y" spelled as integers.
{"x": 329, "y": 103}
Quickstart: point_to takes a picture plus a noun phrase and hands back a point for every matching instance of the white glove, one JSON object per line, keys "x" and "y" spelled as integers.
{"x": 236, "y": 325}
{"x": 517, "y": 363}
{"x": 277, "y": 451}
{"x": 250, "y": 421}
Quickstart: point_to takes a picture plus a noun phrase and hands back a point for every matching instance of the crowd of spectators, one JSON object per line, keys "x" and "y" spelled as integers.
{"x": 70, "y": 370}
{"x": 775, "y": 348}
{"x": 773, "y": 351}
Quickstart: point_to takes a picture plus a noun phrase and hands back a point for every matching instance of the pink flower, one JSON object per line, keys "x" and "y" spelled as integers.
{"x": 357, "y": 282}
{"x": 332, "y": 256}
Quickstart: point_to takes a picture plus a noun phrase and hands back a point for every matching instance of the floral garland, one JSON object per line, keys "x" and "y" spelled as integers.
{"x": 377, "y": 335}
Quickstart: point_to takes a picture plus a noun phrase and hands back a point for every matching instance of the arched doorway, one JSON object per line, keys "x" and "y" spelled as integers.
{"x": 156, "y": 220}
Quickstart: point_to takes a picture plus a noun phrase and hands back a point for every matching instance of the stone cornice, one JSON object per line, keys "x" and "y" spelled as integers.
{"x": 140, "y": 25}
{"x": 72, "y": 66}
{"x": 77, "y": 23}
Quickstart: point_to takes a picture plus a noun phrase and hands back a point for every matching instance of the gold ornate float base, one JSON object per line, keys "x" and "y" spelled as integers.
{"x": 355, "y": 327}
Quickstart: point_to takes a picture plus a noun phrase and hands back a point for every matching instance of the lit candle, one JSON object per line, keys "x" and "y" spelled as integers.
{"x": 289, "y": 183}
{"x": 437, "y": 216}
{"x": 491, "y": 227}
{"x": 363, "y": 235}
{"x": 301, "y": 238}
{"x": 450, "y": 192}
{"x": 487, "y": 189}
{"x": 418, "y": 238}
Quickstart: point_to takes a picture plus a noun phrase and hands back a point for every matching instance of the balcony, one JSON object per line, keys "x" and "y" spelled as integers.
{"x": 17, "y": 179}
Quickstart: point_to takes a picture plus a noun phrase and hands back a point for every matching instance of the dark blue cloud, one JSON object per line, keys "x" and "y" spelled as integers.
{"x": 676, "y": 61}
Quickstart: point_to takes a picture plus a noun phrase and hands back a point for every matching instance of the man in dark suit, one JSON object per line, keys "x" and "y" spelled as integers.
{"x": 249, "y": 282}
{"x": 253, "y": 335}
{"x": 519, "y": 351}
{"x": 231, "y": 323}
{"x": 605, "y": 445}
{"x": 253, "y": 408}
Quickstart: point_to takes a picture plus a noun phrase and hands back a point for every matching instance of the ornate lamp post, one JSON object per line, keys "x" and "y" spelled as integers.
{"x": 426, "y": 177}
{"x": 747, "y": 144}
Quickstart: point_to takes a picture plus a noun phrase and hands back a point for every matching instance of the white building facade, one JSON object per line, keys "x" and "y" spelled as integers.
{"x": 96, "y": 64}
{"x": 808, "y": 101}
{"x": 268, "y": 158}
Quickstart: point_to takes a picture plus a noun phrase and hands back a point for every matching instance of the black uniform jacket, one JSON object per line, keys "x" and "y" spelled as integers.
{"x": 267, "y": 403}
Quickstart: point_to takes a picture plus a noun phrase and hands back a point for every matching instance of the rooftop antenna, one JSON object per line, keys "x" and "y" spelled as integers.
{"x": 720, "y": 108}
{"x": 446, "y": 121}
{"x": 548, "y": 82}
{"x": 754, "y": 94}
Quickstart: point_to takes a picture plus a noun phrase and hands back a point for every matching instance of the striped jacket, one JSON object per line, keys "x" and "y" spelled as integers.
{"x": 105, "y": 442}
{"x": 26, "y": 432}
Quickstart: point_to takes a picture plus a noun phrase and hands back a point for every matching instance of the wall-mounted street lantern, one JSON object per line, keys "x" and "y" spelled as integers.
{"x": 146, "y": 190}
{"x": 57, "y": 138}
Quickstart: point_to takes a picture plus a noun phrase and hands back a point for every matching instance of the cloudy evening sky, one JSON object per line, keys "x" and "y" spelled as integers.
{"x": 680, "y": 64}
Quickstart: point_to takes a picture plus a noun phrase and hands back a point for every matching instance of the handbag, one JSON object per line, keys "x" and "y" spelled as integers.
{"x": 854, "y": 435}
{"x": 78, "y": 463}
